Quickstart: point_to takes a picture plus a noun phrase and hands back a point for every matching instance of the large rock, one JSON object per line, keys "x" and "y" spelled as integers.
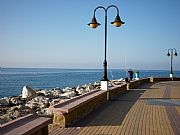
{"x": 38, "y": 102}
{"x": 28, "y": 92}
{"x": 4, "y": 101}
{"x": 79, "y": 89}
{"x": 69, "y": 94}
{"x": 56, "y": 93}
{"x": 15, "y": 100}
{"x": 43, "y": 93}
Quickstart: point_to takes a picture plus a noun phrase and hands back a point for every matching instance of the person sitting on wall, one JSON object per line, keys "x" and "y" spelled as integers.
{"x": 126, "y": 79}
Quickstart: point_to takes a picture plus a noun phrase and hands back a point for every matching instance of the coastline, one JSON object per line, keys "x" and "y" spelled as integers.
{"x": 38, "y": 101}
{"x": 13, "y": 79}
{"x": 12, "y": 107}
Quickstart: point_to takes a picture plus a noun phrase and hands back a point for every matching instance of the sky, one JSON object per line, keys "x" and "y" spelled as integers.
{"x": 55, "y": 34}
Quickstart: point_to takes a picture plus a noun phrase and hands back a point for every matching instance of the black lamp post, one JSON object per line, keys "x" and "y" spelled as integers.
{"x": 117, "y": 23}
{"x": 171, "y": 52}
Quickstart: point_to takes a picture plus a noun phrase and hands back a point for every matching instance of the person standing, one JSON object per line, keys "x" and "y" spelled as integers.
{"x": 136, "y": 75}
{"x": 130, "y": 74}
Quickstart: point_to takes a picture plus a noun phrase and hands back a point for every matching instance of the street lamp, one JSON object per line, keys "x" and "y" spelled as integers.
{"x": 94, "y": 24}
{"x": 171, "y": 52}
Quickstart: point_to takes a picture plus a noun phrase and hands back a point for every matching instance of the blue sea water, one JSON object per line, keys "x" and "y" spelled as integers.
{"x": 12, "y": 80}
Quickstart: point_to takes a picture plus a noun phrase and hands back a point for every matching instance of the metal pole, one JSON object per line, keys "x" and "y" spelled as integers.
{"x": 171, "y": 52}
{"x": 105, "y": 50}
{"x": 171, "y": 61}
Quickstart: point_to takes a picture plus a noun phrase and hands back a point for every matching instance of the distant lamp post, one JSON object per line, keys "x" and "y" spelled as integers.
{"x": 171, "y": 52}
{"x": 94, "y": 24}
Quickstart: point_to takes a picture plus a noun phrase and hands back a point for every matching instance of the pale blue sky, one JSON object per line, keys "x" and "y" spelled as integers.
{"x": 54, "y": 33}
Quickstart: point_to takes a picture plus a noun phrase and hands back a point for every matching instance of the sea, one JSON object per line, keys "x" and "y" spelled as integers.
{"x": 12, "y": 80}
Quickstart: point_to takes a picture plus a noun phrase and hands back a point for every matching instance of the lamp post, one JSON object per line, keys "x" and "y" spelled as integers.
{"x": 171, "y": 52}
{"x": 94, "y": 24}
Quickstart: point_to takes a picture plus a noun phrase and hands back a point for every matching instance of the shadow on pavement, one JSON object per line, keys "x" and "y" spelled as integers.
{"x": 113, "y": 112}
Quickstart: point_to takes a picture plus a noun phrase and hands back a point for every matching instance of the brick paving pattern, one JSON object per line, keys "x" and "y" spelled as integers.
{"x": 152, "y": 109}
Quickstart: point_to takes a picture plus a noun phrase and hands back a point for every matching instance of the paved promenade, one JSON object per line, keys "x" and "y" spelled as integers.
{"x": 152, "y": 109}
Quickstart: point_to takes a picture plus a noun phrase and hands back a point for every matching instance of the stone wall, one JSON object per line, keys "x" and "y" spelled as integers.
{"x": 144, "y": 81}
{"x": 164, "y": 79}
{"x": 65, "y": 115}
{"x": 30, "y": 124}
{"x": 136, "y": 83}
{"x": 115, "y": 91}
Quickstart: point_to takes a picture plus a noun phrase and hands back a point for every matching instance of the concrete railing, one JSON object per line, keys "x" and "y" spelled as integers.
{"x": 30, "y": 124}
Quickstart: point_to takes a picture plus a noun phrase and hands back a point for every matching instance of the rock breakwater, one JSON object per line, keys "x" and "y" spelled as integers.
{"x": 38, "y": 100}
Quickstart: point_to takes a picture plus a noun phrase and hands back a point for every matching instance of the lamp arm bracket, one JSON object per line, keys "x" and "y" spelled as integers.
{"x": 98, "y": 8}
{"x": 115, "y": 7}
{"x": 105, "y": 9}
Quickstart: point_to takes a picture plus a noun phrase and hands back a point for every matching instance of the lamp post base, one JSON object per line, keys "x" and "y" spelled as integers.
{"x": 104, "y": 85}
{"x": 171, "y": 75}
